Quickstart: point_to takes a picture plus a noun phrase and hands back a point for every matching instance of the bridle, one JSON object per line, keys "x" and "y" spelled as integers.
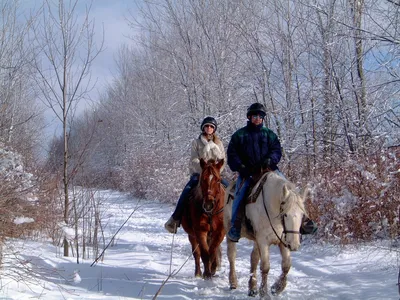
{"x": 208, "y": 209}
{"x": 285, "y": 231}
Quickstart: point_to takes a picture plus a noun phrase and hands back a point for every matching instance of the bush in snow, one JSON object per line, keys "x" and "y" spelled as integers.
{"x": 18, "y": 201}
{"x": 358, "y": 199}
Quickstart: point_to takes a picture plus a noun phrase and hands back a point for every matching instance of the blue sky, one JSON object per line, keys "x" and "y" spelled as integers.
{"x": 110, "y": 15}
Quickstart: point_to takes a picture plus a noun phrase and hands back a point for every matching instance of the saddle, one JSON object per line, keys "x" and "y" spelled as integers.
{"x": 253, "y": 191}
{"x": 251, "y": 195}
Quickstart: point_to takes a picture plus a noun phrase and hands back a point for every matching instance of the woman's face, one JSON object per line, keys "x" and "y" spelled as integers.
{"x": 208, "y": 129}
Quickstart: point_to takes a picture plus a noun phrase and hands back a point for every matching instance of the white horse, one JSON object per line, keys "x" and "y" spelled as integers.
{"x": 276, "y": 217}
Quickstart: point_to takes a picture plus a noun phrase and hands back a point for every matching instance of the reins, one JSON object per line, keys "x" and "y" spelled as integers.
{"x": 210, "y": 215}
{"x": 209, "y": 212}
{"x": 282, "y": 219}
{"x": 270, "y": 222}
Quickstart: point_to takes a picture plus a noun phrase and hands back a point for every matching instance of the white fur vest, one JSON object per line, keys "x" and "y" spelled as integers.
{"x": 201, "y": 148}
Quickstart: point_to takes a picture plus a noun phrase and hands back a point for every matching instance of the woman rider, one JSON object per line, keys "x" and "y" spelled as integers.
{"x": 207, "y": 146}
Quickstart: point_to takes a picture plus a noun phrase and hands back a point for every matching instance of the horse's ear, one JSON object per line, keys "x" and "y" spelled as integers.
{"x": 220, "y": 164}
{"x": 285, "y": 191}
{"x": 305, "y": 191}
{"x": 202, "y": 163}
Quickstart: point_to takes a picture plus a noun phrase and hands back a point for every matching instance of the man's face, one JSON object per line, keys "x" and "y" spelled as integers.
{"x": 256, "y": 119}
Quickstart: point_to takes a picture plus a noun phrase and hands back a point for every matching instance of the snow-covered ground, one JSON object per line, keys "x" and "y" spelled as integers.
{"x": 144, "y": 254}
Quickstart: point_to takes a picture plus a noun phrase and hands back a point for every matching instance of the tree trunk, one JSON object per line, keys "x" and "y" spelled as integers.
{"x": 65, "y": 135}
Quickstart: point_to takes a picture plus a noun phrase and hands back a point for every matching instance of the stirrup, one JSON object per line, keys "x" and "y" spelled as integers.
{"x": 308, "y": 226}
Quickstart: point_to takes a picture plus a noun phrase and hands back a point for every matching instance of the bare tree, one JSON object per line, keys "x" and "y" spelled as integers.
{"x": 65, "y": 44}
{"x": 19, "y": 116}
{"x": 357, "y": 11}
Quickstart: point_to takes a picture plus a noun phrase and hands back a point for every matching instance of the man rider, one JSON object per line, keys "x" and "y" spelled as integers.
{"x": 251, "y": 149}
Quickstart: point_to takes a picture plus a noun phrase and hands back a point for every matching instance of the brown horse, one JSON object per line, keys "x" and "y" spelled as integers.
{"x": 203, "y": 219}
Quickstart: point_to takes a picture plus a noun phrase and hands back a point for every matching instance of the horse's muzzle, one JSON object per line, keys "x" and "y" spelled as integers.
{"x": 292, "y": 241}
{"x": 208, "y": 206}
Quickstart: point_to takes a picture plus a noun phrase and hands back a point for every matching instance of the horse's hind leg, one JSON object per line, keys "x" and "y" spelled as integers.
{"x": 196, "y": 254}
{"x": 281, "y": 282}
{"x": 232, "y": 269}
{"x": 254, "y": 259}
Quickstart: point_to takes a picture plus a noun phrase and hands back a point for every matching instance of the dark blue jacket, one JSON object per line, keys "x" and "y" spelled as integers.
{"x": 252, "y": 146}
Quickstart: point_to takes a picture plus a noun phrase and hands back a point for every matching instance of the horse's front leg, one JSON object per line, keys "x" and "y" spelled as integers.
{"x": 205, "y": 254}
{"x": 281, "y": 282}
{"x": 231, "y": 249}
{"x": 254, "y": 259}
{"x": 218, "y": 258}
{"x": 264, "y": 266}
{"x": 196, "y": 255}
{"x": 215, "y": 249}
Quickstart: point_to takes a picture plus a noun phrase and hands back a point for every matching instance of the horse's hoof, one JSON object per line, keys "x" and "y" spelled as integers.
{"x": 252, "y": 293}
{"x": 274, "y": 291}
{"x": 277, "y": 288}
{"x": 233, "y": 287}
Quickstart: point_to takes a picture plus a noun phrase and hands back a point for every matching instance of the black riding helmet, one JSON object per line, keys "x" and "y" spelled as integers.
{"x": 209, "y": 120}
{"x": 255, "y": 109}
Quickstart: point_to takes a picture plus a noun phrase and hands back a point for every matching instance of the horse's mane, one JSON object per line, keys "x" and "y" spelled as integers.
{"x": 290, "y": 195}
{"x": 196, "y": 192}
{"x": 292, "y": 198}
{"x": 211, "y": 164}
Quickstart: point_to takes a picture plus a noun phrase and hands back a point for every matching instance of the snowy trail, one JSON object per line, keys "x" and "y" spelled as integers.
{"x": 317, "y": 272}
{"x": 136, "y": 265}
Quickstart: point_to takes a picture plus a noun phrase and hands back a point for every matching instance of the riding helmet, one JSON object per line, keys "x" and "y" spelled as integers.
{"x": 255, "y": 109}
{"x": 210, "y": 121}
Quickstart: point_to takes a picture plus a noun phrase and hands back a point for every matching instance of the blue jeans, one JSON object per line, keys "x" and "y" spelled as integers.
{"x": 240, "y": 192}
{"x": 224, "y": 182}
{"x": 180, "y": 206}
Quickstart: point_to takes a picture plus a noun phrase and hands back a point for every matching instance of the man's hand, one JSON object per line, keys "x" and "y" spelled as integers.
{"x": 267, "y": 164}
{"x": 256, "y": 170}
{"x": 244, "y": 172}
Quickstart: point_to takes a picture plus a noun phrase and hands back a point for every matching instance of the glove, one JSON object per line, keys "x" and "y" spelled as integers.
{"x": 255, "y": 170}
{"x": 267, "y": 164}
{"x": 244, "y": 172}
